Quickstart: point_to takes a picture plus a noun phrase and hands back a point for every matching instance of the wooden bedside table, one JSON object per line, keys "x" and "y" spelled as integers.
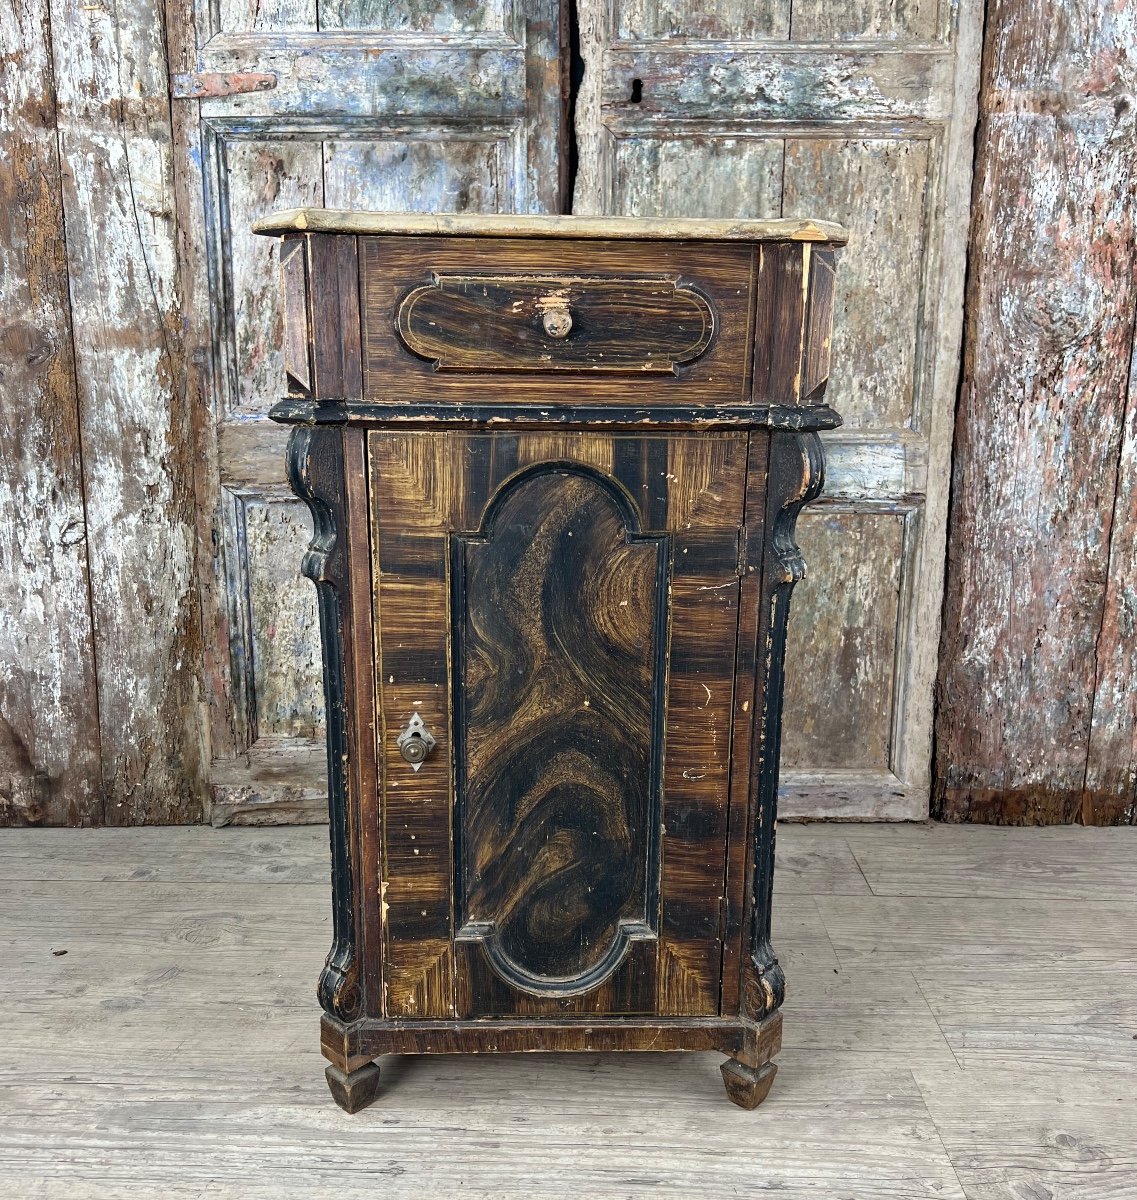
{"x": 554, "y": 466}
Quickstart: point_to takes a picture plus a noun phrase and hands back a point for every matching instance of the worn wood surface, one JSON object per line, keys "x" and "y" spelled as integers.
{"x": 376, "y": 105}
{"x": 279, "y": 781}
{"x": 559, "y": 323}
{"x": 320, "y": 463}
{"x": 554, "y": 621}
{"x": 791, "y": 474}
{"x": 734, "y": 128}
{"x": 1109, "y": 794}
{"x": 861, "y": 113}
{"x": 139, "y": 1095}
{"x": 114, "y": 134}
{"x": 436, "y": 224}
{"x": 122, "y": 679}
{"x": 750, "y": 1043}
{"x": 853, "y": 562}
{"x": 561, "y": 635}
{"x": 412, "y": 491}
{"x": 1035, "y": 720}
{"x": 285, "y": 668}
{"x": 50, "y": 767}
{"x": 688, "y": 496}
{"x": 709, "y": 484}
{"x": 218, "y": 715}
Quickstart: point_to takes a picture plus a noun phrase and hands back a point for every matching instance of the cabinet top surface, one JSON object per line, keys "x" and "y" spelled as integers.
{"x": 331, "y": 220}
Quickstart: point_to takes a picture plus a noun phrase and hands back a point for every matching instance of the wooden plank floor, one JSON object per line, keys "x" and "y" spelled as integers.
{"x": 961, "y": 1022}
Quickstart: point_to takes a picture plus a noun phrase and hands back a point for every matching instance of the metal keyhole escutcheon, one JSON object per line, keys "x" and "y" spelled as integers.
{"x": 415, "y": 742}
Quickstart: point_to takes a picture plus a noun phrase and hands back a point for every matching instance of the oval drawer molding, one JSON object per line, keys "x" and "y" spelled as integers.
{"x": 502, "y": 323}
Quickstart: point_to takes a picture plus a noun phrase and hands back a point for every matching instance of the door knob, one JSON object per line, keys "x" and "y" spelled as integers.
{"x": 415, "y": 742}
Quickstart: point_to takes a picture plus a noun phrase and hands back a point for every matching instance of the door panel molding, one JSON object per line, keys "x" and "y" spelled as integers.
{"x": 429, "y": 487}
{"x": 501, "y": 735}
{"x": 356, "y": 119}
{"x": 688, "y": 120}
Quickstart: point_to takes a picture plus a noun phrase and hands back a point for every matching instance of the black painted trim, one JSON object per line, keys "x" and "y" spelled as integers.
{"x": 315, "y": 471}
{"x": 337, "y": 411}
{"x": 796, "y": 475}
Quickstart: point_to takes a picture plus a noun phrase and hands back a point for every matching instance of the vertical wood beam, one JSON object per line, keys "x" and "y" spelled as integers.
{"x": 1109, "y": 796}
{"x": 49, "y": 729}
{"x": 593, "y": 185}
{"x": 1032, "y": 642}
{"x": 223, "y": 729}
{"x": 115, "y": 142}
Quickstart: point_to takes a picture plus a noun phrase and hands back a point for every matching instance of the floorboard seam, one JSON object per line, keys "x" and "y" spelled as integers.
{"x": 856, "y": 860}
{"x": 828, "y": 938}
{"x": 932, "y": 1013}
{"x": 939, "y": 1136}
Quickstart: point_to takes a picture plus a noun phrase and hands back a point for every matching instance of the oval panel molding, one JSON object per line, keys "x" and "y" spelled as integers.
{"x": 560, "y": 616}
{"x": 533, "y": 323}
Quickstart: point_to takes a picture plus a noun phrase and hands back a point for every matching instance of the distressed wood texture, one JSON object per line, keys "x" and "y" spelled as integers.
{"x": 134, "y": 1030}
{"x": 114, "y": 477}
{"x": 560, "y": 619}
{"x": 114, "y": 133}
{"x": 1036, "y": 719}
{"x": 326, "y": 469}
{"x": 503, "y": 225}
{"x": 863, "y": 113}
{"x": 641, "y": 325}
{"x": 49, "y": 727}
{"x": 117, "y": 1057}
{"x": 280, "y": 781}
{"x": 750, "y": 1045}
{"x": 449, "y": 108}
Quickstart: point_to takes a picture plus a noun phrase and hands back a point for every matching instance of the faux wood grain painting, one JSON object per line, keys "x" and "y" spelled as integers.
{"x": 560, "y": 610}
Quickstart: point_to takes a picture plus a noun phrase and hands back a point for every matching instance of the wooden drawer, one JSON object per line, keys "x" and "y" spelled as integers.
{"x": 555, "y": 321}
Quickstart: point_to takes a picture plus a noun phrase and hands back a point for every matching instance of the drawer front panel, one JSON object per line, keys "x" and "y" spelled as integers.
{"x": 555, "y": 323}
{"x": 526, "y": 321}
{"x": 561, "y": 610}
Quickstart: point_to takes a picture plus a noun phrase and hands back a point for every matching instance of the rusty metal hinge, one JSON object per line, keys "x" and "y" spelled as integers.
{"x": 208, "y": 85}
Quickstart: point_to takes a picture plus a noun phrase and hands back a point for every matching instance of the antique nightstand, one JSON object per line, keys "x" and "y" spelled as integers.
{"x": 554, "y": 466}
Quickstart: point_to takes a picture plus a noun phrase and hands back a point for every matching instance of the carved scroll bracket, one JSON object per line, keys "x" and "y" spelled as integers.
{"x": 796, "y": 474}
{"x": 315, "y": 471}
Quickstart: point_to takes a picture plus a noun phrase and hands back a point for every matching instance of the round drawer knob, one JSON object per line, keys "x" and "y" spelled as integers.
{"x": 557, "y": 320}
{"x": 414, "y": 749}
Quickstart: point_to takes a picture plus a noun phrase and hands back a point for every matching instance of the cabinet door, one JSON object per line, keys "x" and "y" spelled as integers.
{"x": 561, "y": 611}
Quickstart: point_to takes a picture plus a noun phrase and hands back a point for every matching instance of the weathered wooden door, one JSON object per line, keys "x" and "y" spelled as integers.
{"x": 551, "y": 856}
{"x": 861, "y": 111}
{"x": 354, "y": 104}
